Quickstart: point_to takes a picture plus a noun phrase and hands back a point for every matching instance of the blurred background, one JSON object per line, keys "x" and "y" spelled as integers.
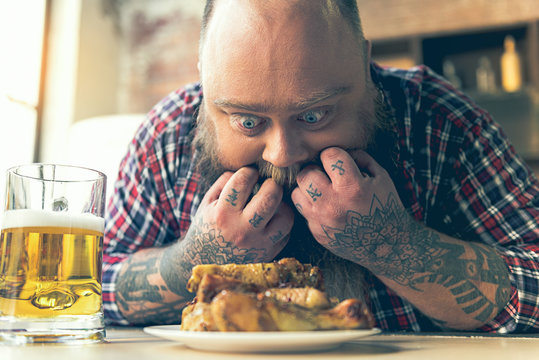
{"x": 77, "y": 76}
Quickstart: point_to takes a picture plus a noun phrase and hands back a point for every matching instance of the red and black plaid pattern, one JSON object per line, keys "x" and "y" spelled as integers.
{"x": 455, "y": 171}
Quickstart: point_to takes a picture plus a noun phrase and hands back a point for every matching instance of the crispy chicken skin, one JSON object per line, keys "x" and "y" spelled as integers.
{"x": 267, "y": 297}
{"x": 286, "y": 272}
{"x": 235, "y": 311}
{"x": 308, "y": 297}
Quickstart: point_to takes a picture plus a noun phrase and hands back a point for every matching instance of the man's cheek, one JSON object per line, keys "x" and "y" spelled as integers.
{"x": 231, "y": 156}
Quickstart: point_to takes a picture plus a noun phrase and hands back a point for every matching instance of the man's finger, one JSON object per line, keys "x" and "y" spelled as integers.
{"x": 340, "y": 167}
{"x": 279, "y": 227}
{"x": 264, "y": 204}
{"x": 313, "y": 182}
{"x": 215, "y": 190}
{"x": 238, "y": 188}
{"x": 301, "y": 203}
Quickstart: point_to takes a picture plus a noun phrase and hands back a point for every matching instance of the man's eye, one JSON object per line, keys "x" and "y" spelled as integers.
{"x": 313, "y": 116}
{"x": 249, "y": 123}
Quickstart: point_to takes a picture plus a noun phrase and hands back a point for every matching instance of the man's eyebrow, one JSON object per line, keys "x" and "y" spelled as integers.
{"x": 321, "y": 96}
{"x": 300, "y": 104}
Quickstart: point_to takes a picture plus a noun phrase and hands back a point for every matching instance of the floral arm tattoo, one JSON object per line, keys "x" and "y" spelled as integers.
{"x": 395, "y": 246}
{"x": 142, "y": 284}
{"x": 140, "y": 294}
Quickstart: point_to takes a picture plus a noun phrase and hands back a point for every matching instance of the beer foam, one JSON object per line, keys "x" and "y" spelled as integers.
{"x": 35, "y": 218}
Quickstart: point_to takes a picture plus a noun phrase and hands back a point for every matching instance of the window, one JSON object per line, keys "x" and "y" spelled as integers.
{"x": 21, "y": 43}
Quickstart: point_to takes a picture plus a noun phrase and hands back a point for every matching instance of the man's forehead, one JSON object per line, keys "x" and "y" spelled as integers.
{"x": 288, "y": 66}
{"x": 299, "y": 103}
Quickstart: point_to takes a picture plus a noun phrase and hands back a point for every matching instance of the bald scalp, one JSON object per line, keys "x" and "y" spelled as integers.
{"x": 347, "y": 9}
{"x": 288, "y": 45}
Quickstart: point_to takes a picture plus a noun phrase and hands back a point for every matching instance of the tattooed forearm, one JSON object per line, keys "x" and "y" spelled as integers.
{"x": 141, "y": 295}
{"x": 461, "y": 269}
{"x": 393, "y": 245}
{"x": 151, "y": 288}
{"x": 206, "y": 245}
{"x": 134, "y": 284}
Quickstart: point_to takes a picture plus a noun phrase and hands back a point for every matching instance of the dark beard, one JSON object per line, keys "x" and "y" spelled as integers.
{"x": 343, "y": 279}
{"x": 206, "y": 157}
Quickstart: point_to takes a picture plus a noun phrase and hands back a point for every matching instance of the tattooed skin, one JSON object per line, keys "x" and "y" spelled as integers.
{"x": 206, "y": 245}
{"x": 313, "y": 193}
{"x": 232, "y": 197}
{"x": 139, "y": 295}
{"x": 256, "y": 220}
{"x": 338, "y": 166}
{"x": 392, "y": 244}
{"x": 277, "y": 237}
{"x": 140, "y": 287}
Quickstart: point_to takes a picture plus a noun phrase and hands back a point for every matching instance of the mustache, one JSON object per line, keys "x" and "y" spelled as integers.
{"x": 285, "y": 176}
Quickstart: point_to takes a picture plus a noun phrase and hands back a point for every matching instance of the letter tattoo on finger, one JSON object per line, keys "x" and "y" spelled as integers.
{"x": 313, "y": 192}
{"x": 275, "y": 238}
{"x": 231, "y": 198}
{"x": 256, "y": 220}
{"x": 338, "y": 166}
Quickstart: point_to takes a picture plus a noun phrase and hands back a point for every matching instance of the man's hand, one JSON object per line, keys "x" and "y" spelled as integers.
{"x": 230, "y": 228}
{"x": 333, "y": 200}
{"x": 355, "y": 212}
{"x": 151, "y": 286}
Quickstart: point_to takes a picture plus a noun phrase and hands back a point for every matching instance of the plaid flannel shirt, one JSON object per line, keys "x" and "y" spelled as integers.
{"x": 456, "y": 172}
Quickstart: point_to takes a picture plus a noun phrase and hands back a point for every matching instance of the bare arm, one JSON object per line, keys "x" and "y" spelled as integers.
{"x": 460, "y": 285}
{"x": 359, "y": 216}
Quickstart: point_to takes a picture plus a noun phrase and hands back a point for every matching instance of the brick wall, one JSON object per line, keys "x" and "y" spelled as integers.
{"x": 158, "y": 51}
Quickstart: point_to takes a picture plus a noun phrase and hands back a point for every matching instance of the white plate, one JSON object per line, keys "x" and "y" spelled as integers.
{"x": 289, "y": 341}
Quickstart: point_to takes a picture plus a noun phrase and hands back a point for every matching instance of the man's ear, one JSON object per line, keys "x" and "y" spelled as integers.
{"x": 368, "y": 51}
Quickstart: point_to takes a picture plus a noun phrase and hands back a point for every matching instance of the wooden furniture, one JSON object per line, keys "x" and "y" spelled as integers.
{"x": 410, "y": 32}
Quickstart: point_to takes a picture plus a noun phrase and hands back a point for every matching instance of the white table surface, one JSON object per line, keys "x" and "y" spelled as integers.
{"x": 134, "y": 344}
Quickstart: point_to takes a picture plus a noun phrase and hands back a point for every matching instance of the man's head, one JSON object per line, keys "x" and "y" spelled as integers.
{"x": 282, "y": 81}
{"x": 348, "y": 10}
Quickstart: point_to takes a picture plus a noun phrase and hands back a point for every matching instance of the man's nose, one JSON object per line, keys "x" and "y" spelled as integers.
{"x": 284, "y": 148}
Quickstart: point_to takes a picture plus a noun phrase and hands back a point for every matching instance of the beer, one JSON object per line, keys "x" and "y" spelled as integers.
{"x": 50, "y": 264}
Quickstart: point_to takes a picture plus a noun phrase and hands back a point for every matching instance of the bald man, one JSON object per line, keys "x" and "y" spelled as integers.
{"x": 402, "y": 190}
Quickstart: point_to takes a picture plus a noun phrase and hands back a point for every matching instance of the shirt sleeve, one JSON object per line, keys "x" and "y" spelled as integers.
{"x": 499, "y": 197}
{"x": 134, "y": 218}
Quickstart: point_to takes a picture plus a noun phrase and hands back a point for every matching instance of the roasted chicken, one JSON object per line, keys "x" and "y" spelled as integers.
{"x": 286, "y": 272}
{"x": 287, "y": 297}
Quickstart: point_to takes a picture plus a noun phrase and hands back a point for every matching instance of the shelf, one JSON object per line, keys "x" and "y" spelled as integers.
{"x": 517, "y": 112}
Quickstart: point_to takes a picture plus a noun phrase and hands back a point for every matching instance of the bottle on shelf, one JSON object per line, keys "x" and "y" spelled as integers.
{"x": 485, "y": 78}
{"x": 510, "y": 66}
{"x": 450, "y": 73}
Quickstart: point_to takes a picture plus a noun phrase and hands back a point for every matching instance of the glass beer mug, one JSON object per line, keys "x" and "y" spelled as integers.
{"x": 51, "y": 255}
